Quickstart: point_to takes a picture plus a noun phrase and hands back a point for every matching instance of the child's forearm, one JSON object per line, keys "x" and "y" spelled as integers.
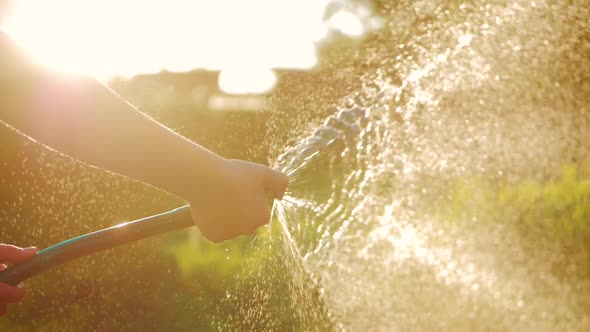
{"x": 82, "y": 118}
{"x": 103, "y": 130}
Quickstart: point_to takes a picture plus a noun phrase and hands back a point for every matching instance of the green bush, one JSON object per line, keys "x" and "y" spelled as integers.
{"x": 560, "y": 206}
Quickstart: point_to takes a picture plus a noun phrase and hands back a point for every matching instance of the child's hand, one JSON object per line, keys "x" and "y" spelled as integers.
{"x": 235, "y": 200}
{"x": 12, "y": 254}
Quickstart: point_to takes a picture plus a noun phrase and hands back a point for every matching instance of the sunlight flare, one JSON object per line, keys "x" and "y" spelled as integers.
{"x": 125, "y": 38}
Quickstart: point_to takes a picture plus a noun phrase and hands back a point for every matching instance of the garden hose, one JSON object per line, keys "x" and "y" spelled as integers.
{"x": 93, "y": 242}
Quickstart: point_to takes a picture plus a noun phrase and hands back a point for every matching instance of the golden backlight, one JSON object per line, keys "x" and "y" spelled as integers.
{"x": 243, "y": 39}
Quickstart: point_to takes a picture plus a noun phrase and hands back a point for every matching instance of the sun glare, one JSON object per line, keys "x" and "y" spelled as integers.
{"x": 127, "y": 37}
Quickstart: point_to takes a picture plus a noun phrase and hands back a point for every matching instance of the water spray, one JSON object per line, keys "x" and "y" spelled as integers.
{"x": 91, "y": 243}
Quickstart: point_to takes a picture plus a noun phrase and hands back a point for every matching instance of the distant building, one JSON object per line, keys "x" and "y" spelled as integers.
{"x": 197, "y": 90}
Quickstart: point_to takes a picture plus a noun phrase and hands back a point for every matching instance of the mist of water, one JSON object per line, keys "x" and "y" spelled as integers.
{"x": 497, "y": 92}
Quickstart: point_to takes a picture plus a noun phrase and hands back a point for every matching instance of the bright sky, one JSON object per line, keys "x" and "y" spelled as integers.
{"x": 244, "y": 39}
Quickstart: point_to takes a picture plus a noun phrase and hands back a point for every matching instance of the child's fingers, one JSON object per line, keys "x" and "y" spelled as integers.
{"x": 14, "y": 254}
{"x": 11, "y": 294}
